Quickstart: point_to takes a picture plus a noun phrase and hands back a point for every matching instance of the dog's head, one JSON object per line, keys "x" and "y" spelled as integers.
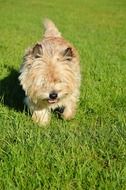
{"x": 50, "y": 71}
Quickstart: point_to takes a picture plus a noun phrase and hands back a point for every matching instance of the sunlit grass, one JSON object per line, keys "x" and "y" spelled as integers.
{"x": 88, "y": 152}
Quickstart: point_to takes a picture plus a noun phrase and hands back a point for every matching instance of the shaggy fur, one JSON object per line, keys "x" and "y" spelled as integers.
{"x": 50, "y": 76}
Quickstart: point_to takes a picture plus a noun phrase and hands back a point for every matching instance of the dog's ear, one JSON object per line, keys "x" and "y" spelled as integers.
{"x": 37, "y": 50}
{"x": 68, "y": 54}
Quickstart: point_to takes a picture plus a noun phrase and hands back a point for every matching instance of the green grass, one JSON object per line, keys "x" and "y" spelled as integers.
{"x": 89, "y": 152}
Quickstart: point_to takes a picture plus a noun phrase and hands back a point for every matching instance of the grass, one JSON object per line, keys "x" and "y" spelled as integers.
{"x": 89, "y": 152}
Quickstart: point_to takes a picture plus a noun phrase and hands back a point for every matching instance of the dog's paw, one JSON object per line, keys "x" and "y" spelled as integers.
{"x": 41, "y": 117}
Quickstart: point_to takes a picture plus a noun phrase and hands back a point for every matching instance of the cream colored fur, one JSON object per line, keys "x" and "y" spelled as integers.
{"x": 52, "y": 65}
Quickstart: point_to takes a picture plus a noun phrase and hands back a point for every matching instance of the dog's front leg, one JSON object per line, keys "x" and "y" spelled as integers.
{"x": 41, "y": 116}
{"x": 70, "y": 110}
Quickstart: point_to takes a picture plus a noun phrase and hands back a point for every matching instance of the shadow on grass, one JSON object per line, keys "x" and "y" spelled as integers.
{"x": 11, "y": 93}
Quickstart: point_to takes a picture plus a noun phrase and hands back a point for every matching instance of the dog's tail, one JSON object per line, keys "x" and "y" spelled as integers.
{"x": 50, "y": 29}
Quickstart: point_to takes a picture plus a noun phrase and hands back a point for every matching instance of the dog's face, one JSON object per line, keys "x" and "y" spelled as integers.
{"x": 49, "y": 72}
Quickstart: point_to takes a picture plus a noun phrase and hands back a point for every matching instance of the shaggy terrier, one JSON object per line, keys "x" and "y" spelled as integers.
{"x": 50, "y": 76}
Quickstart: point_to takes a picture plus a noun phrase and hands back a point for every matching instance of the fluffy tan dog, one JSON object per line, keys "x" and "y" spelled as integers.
{"x": 50, "y": 76}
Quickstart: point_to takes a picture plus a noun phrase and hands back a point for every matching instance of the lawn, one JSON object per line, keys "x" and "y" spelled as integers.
{"x": 88, "y": 152}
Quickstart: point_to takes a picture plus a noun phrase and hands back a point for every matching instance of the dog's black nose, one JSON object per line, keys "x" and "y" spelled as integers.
{"x": 53, "y": 95}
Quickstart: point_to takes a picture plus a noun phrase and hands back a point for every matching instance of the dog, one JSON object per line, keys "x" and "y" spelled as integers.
{"x": 50, "y": 76}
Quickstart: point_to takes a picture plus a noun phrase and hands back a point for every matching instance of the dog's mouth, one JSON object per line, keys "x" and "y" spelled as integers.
{"x": 52, "y": 101}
